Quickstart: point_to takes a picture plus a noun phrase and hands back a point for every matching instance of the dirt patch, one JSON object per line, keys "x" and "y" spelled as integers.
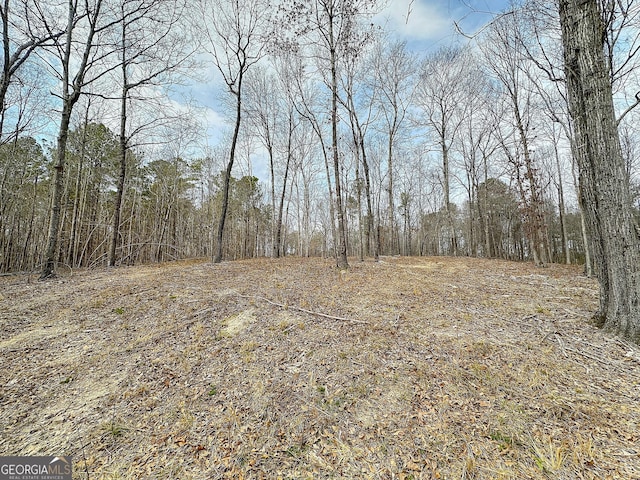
{"x": 407, "y": 368}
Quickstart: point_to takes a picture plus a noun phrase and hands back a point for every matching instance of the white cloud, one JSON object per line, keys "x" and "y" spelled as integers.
{"x": 415, "y": 20}
{"x": 214, "y": 120}
{"x": 425, "y": 23}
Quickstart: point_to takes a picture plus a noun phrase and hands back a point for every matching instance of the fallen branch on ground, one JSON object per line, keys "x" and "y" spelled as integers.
{"x": 304, "y": 310}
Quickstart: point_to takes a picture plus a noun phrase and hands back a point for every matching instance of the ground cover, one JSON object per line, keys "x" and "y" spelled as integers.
{"x": 408, "y": 368}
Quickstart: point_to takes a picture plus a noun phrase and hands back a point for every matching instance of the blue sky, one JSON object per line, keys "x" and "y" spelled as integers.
{"x": 424, "y": 24}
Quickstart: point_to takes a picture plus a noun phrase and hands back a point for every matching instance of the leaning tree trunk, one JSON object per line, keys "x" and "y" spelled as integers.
{"x": 69, "y": 99}
{"x": 279, "y": 250}
{"x": 371, "y": 235}
{"x": 603, "y": 179}
{"x": 227, "y": 176}
{"x": 370, "y": 231}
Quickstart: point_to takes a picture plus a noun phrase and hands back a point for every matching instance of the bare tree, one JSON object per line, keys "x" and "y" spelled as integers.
{"x": 507, "y": 60}
{"x": 263, "y": 107}
{"x": 150, "y": 51}
{"x": 85, "y": 19}
{"x": 234, "y": 32}
{"x": 604, "y": 184}
{"x": 622, "y": 51}
{"x": 393, "y": 68}
{"x": 621, "y": 46}
{"x": 476, "y": 141}
{"x": 310, "y": 108}
{"x": 25, "y": 29}
{"x": 272, "y": 112}
{"x": 559, "y": 183}
{"x": 329, "y": 28}
{"x": 289, "y": 128}
{"x": 333, "y": 23}
{"x": 442, "y": 92}
{"x": 361, "y": 117}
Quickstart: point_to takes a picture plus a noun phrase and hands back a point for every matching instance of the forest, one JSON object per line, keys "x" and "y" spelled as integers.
{"x": 335, "y": 135}
{"x": 287, "y": 240}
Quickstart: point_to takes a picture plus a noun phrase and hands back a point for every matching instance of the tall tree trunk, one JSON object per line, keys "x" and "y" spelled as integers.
{"x": 535, "y": 215}
{"x": 453, "y": 242}
{"x": 317, "y": 128}
{"x": 359, "y": 140}
{"x": 371, "y": 235}
{"x": 227, "y": 174}
{"x": 356, "y": 132}
{"x": 69, "y": 100}
{"x": 51, "y": 254}
{"x": 561, "y": 209}
{"x": 278, "y": 239}
{"x": 275, "y": 246}
{"x": 393, "y": 245}
{"x": 122, "y": 154}
{"x": 603, "y": 179}
{"x": 588, "y": 258}
{"x": 27, "y": 241}
{"x": 75, "y": 217}
{"x": 307, "y": 214}
{"x": 341, "y": 254}
{"x": 487, "y": 214}
{"x": 361, "y": 249}
{"x": 49, "y": 267}
{"x": 332, "y": 203}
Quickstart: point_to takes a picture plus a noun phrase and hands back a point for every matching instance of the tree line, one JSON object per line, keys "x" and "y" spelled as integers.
{"x": 168, "y": 207}
{"x": 340, "y": 139}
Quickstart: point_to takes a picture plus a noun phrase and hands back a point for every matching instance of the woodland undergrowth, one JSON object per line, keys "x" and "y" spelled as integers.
{"x": 407, "y": 368}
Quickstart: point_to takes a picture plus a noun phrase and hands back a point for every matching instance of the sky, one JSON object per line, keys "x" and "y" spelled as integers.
{"x": 424, "y": 25}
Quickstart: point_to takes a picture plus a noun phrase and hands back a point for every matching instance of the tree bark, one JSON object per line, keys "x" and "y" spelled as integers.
{"x": 561, "y": 209}
{"x": 49, "y": 268}
{"x": 122, "y": 154}
{"x": 453, "y": 241}
{"x": 69, "y": 100}
{"x": 604, "y": 183}
{"x": 278, "y": 250}
{"x": 341, "y": 254}
{"x": 227, "y": 173}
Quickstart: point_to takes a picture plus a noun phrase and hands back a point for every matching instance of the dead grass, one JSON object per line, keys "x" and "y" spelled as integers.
{"x": 450, "y": 369}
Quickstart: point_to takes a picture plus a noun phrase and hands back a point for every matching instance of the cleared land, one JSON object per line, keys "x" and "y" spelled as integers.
{"x": 404, "y": 369}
